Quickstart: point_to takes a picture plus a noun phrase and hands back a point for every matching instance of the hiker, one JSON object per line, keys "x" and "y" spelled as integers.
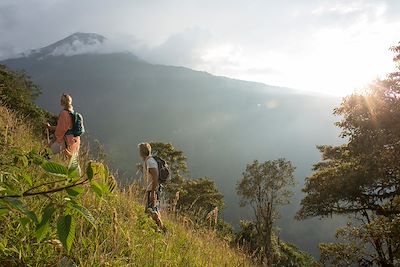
{"x": 150, "y": 175}
{"x": 63, "y": 140}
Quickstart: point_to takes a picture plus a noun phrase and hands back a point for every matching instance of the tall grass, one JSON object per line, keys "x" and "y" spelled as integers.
{"x": 123, "y": 236}
{"x": 126, "y": 236}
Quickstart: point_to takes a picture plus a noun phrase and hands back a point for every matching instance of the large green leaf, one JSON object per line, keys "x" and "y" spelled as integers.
{"x": 14, "y": 203}
{"x": 96, "y": 169}
{"x": 18, "y": 205}
{"x": 74, "y": 191}
{"x": 85, "y": 213}
{"x": 73, "y": 162}
{"x": 66, "y": 231}
{"x": 89, "y": 171}
{"x": 97, "y": 188}
{"x": 31, "y": 215}
{"x": 73, "y": 166}
{"x": 43, "y": 227}
{"x": 73, "y": 173}
{"x": 55, "y": 169}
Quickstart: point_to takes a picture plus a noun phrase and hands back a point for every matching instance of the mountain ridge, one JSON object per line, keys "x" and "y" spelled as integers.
{"x": 74, "y": 44}
{"x": 95, "y": 40}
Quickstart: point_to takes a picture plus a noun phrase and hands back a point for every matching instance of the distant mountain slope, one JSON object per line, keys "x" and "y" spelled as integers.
{"x": 221, "y": 124}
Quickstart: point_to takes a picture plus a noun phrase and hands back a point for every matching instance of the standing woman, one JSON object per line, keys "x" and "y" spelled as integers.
{"x": 63, "y": 140}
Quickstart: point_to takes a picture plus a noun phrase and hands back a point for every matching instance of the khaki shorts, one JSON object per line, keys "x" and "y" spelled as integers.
{"x": 150, "y": 208}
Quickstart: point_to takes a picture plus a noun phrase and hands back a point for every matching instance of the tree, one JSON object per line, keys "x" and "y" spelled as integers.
{"x": 362, "y": 178}
{"x": 175, "y": 158}
{"x": 18, "y": 93}
{"x": 264, "y": 187}
{"x": 200, "y": 195}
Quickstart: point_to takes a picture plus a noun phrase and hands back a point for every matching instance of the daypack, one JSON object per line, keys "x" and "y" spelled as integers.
{"x": 164, "y": 173}
{"x": 77, "y": 124}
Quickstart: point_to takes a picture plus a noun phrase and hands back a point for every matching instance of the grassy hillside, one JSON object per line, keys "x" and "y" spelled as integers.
{"x": 109, "y": 229}
{"x": 122, "y": 234}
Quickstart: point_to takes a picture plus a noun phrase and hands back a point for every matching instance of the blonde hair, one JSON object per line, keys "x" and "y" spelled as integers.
{"x": 144, "y": 149}
{"x": 66, "y": 102}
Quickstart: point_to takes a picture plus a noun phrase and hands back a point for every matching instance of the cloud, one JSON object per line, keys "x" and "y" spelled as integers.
{"x": 273, "y": 42}
{"x": 183, "y": 49}
{"x": 75, "y": 48}
{"x": 7, "y": 50}
{"x": 8, "y": 17}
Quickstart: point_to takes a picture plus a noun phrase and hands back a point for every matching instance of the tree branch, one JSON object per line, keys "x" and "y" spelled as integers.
{"x": 27, "y": 194}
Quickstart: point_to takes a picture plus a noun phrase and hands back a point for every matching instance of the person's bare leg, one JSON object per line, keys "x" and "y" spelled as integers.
{"x": 157, "y": 218}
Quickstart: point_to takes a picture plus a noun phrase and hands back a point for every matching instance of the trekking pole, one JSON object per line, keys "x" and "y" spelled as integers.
{"x": 48, "y": 136}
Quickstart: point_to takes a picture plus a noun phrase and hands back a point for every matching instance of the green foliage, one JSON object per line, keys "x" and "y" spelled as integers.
{"x": 264, "y": 187}
{"x": 55, "y": 169}
{"x": 17, "y": 187}
{"x": 225, "y": 231}
{"x": 101, "y": 181}
{"x": 247, "y": 237}
{"x": 362, "y": 178}
{"x": 284, "y": 254}
{"x": 43, "y": 227}
{"x": 200, "y": 194}
{"x": 175, "y": 158}
{"x": 75, "y": 191}
{"x": 289, "y": 255}
{"x": 66, "y": 230}
{"x": 342, "y": 254}
{"x": 18, "y": 93}
{"x": 84, "y": 212}
{"x": 266, "y": 182}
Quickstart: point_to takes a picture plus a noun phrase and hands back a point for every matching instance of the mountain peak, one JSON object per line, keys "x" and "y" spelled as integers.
{"x": 74, "y": 44}
{"x": 87, "y": 38}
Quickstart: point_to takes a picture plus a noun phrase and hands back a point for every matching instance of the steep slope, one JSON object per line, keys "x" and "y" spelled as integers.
{"x": 119, "y": 232}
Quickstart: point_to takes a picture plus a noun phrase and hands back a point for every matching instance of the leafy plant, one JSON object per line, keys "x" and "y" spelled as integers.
{"x": 69, "y": 182}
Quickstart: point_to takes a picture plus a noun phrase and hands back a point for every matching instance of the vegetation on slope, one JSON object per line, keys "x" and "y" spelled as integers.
{"x": 52, "y": 215}
{"x": 84, "y": 225}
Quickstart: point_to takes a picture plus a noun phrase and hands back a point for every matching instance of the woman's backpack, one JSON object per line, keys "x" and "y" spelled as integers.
{"x": 77, "y": 124}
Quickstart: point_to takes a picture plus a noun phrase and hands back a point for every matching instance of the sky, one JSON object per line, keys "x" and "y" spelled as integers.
{"x": 331, "y": 46}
